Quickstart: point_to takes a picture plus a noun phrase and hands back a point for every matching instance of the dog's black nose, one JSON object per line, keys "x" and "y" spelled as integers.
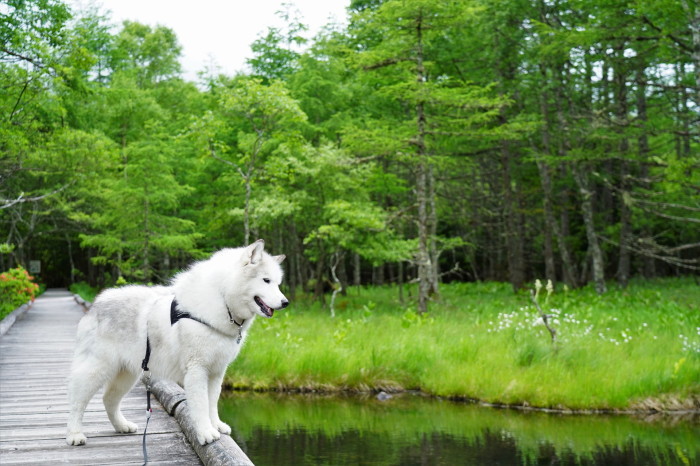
{"x": 285, "y": 303}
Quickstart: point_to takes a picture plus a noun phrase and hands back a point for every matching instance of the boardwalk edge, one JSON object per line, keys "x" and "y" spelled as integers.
{"x": 13, "y": 317}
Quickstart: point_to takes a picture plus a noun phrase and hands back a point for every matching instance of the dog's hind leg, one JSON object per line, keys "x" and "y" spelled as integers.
{"x": 115, "y": 391}
{"x": 87, "y": 377}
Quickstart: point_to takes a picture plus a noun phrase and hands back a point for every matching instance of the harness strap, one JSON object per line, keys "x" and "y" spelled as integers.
{"x": 176, "y": 314}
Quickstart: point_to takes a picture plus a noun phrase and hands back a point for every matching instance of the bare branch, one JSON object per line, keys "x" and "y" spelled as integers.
{"x": 672, "y": 217}
{"x": 675, "y": 39}
{"x": 23, "y": 57}
{"x": 212, "y": 152}
{"x": 666, "y": 204}
{"x": 337, "y": 284}
{"x": 677, "y": 261}
{"x": 545, "y": 317}
{"x": 6, "y": 203}
{"x": 384, "y": 63}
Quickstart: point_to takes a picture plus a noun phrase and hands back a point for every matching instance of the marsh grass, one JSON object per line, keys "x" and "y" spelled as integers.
{"x": 481, "y": 341}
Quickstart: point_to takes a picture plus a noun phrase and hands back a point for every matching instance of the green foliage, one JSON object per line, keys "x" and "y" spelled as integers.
{"x": 31, "y": 30}
{"x": 150, "y": 54}
{"x": 274, "y": 54}
{"x": 85, "y": 291}
{"x": 137, "y": 218}
{"x": 16, "y": 288}
{"x": 638, "y": 347}
{"x": 422, "y": 132}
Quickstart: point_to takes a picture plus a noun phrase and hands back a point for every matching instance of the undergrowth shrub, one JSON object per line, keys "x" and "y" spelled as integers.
{"x": 16, "y": 288}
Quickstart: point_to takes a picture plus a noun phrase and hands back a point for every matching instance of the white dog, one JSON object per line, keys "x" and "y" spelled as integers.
{"x": 193, "y": 330}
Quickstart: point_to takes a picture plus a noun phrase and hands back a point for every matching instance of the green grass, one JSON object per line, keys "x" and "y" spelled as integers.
{"x": 633, "y": 348}
{"x": 84, "y": 290}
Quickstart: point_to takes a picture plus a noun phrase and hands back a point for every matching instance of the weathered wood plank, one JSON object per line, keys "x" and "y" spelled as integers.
{"x": 121, "y": 449}
{"x": 35, "y": 358}
{"x": 96, "y": 428}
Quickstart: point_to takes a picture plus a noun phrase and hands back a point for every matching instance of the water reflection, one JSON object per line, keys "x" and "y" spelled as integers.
{"x": 411, "y": 430}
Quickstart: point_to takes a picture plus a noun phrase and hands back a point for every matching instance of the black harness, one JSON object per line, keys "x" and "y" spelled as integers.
{"x": 175, "y": 315}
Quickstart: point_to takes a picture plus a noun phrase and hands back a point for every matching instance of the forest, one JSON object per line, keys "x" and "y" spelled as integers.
{"x": 420, "y": 142}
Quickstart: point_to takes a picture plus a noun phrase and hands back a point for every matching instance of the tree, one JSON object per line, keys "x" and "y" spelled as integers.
{"x": 148, "y": 54}
{"x": 407, "y": 32}
{"x": 138, "y": 214}
{"x": 275, "y": 54}
{"x": 249, "y": 120}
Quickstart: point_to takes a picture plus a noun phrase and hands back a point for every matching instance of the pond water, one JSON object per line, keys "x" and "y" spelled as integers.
{"x": 278, "y": 430}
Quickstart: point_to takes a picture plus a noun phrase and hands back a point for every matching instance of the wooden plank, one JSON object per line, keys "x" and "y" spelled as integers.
{"x": 35, "y": 359}
{"x": 118, "y": 449}
{"x": 93, "y": 428}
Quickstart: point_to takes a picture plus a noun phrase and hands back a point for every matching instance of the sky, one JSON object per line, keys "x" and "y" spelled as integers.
{"x": 218, "y": 31}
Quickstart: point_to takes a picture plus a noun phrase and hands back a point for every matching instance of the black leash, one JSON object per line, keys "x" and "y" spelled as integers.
{"x": 148, "y": 418}
{"x": 144, "y": 366}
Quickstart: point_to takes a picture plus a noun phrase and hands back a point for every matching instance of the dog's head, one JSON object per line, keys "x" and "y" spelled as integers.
{"x": 263, "y": 276}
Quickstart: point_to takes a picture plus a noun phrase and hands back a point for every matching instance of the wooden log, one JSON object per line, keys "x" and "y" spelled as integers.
{"x": 222, "y": 452}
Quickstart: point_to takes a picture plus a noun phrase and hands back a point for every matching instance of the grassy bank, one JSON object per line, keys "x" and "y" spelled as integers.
{"x": 629, "y": 349}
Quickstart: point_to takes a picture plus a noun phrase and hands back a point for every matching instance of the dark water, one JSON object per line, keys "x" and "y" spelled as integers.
{"x": 278, "y": 430}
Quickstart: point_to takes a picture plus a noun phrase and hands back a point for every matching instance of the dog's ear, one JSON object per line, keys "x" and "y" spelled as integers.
{"x": 255, "y": 251}
{"x": 279, "y": 258}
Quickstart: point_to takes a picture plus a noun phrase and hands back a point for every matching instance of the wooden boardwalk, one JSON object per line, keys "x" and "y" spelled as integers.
{"x": 35, "y": 358}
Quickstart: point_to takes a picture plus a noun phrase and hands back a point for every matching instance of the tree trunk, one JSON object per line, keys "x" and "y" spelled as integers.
{"x": 514, "y": 240}
{"x": 423, "y": 259}
{"x": 318, "y": 288}
{"x": 568, "y": 267}
{"x": 146, "y": 237}
{"x": 422, "y": 192}
{"x": 337, "y": 284}
{"x": 246, "y": 208}
{"x": 545, "y": 181}
{"x": 356, "y": 272}
{"x": 649, "y": 269}
{"x": 378, "y": 275}
{"x": 433, "y": 221}
{"x": 593, "y": 245}
{"x": 620, "y": 78}
{"x": 400, "y": 281}
{"x": 293, "y": 280}
{"x": 550, "y": 226}
{"x": 694, "y": 22}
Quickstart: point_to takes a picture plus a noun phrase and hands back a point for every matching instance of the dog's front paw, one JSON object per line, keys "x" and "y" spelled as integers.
{"x": 222, "y": 427}
{"x": 125, "y": 427}
{"x": 208, "y": 435}
{"x": 76, "y": 438}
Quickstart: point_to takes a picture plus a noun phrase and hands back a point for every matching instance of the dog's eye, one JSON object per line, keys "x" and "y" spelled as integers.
{"x": 266, "y": 280}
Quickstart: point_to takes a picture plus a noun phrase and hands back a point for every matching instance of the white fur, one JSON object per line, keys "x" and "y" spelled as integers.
{"x": 111, "y": 340}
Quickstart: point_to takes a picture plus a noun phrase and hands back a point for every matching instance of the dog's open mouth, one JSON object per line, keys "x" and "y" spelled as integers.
{"x": 267, "y": 310}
